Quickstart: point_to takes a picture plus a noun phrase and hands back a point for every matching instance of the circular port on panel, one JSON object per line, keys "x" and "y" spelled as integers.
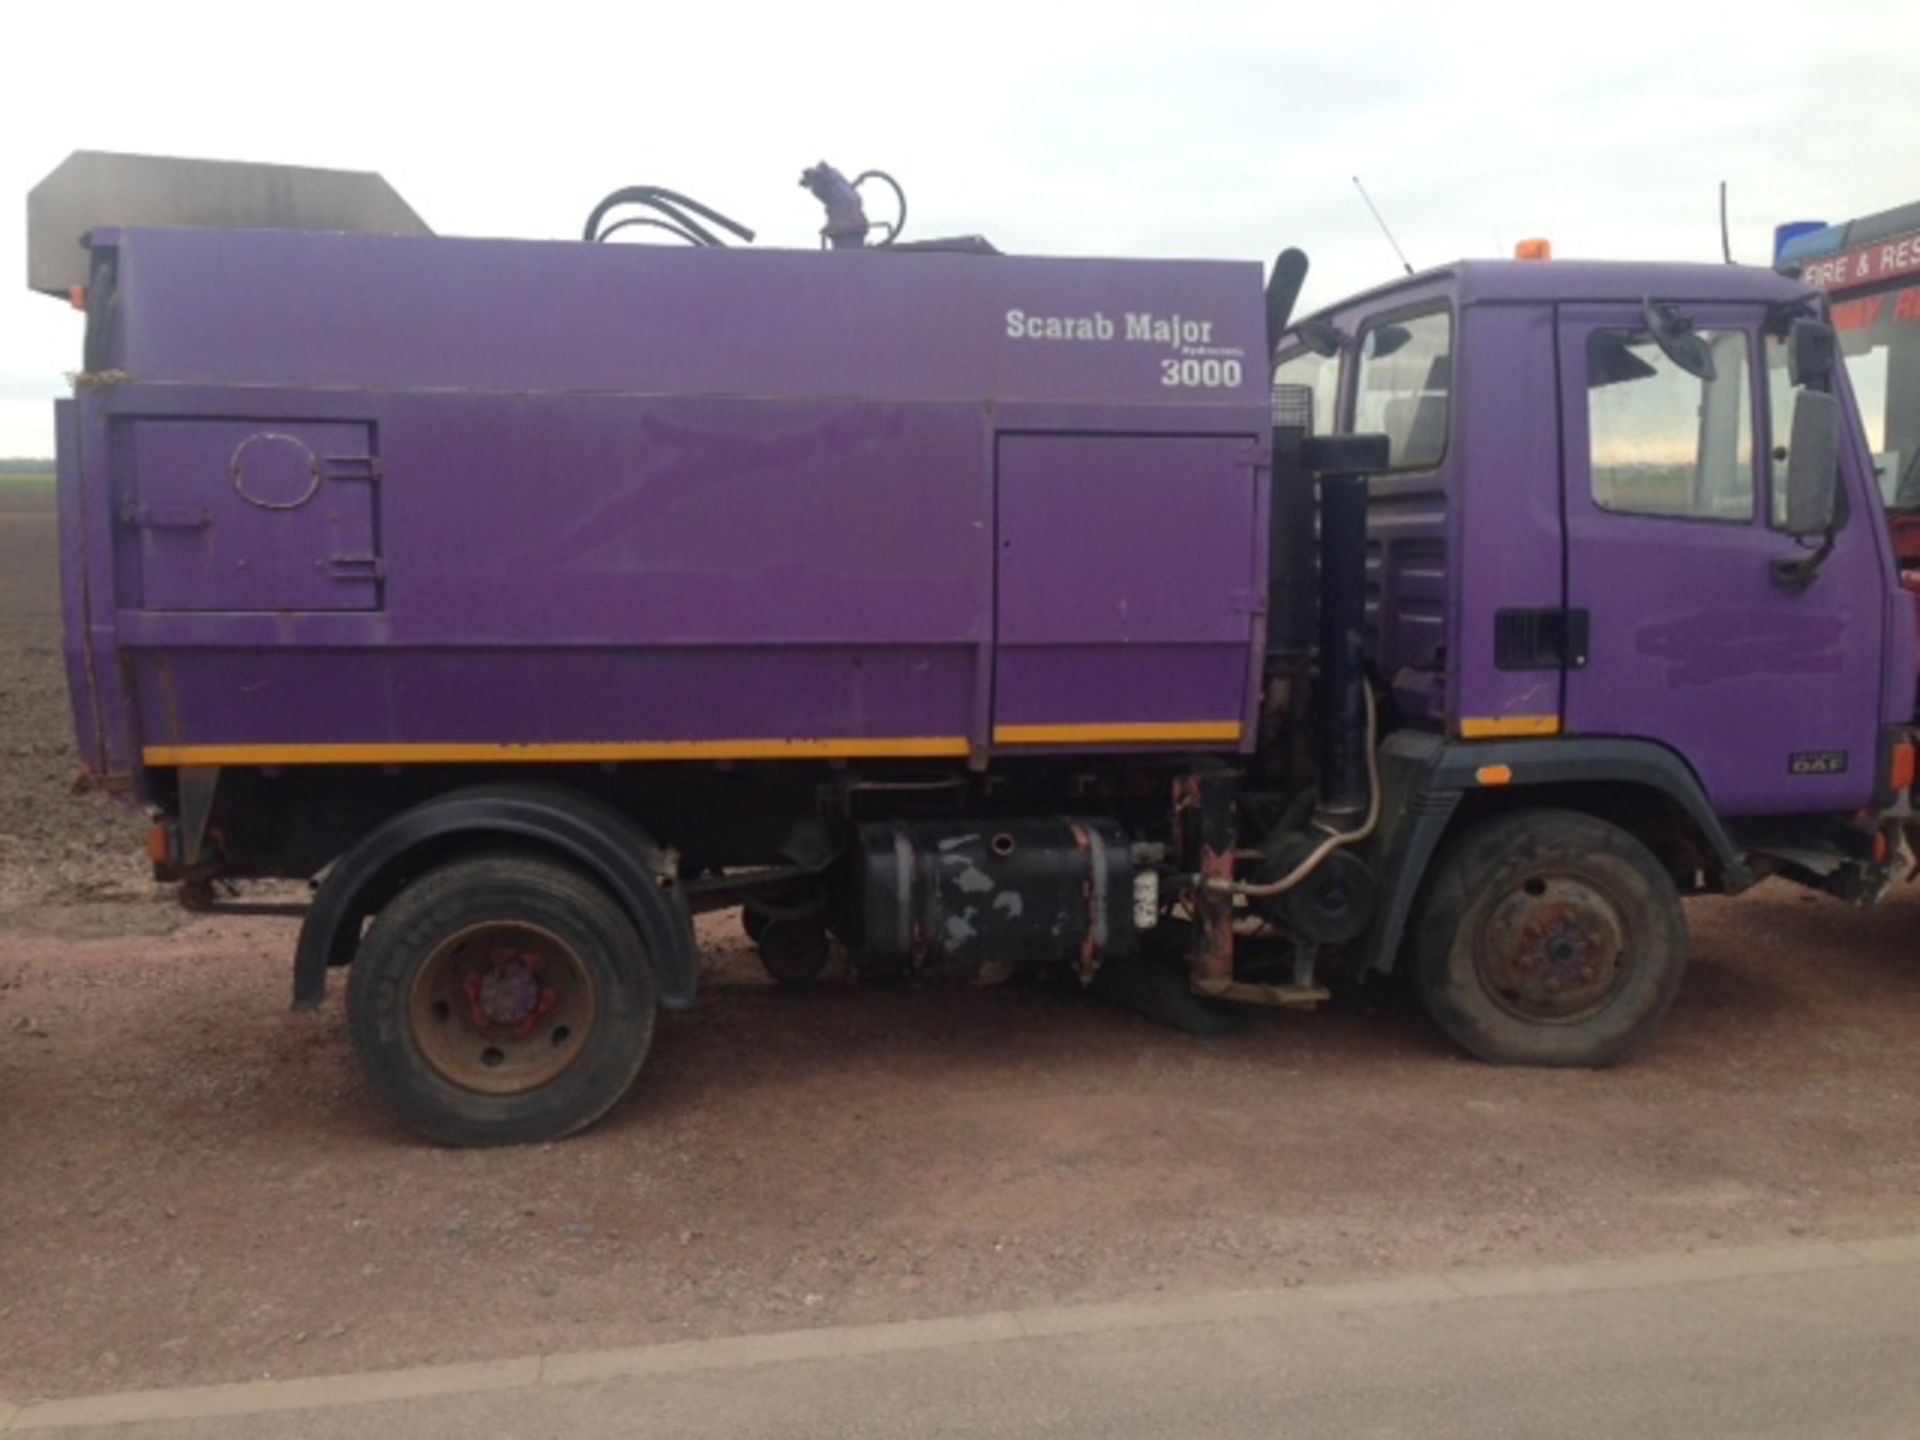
{"x": 274, "y": 471}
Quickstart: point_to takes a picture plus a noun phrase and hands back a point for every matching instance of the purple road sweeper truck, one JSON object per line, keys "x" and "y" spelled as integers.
{"x": 952, "y": 610}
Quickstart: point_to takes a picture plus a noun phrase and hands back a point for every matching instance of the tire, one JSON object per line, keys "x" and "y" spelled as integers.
{"x": 754, "y": 922}
{"x": 794, "y": 952}
{"x": 501, "y": 1000}
{"x": 1153, "y": 982}
{"x": 1549, "y": 937}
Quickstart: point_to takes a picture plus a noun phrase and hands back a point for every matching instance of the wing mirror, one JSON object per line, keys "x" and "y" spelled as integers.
{"x": 1322, "y": 337}
{"x": 1611, "y": 361}
{"x": 1385, "y": 340}
{"x": 1813, "y": 463}
{"x": 1673, "y": 332}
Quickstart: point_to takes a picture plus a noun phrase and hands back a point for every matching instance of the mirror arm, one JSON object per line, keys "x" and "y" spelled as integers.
{"x": 1794, "y": 573}
{"x": 1782, "y": 313}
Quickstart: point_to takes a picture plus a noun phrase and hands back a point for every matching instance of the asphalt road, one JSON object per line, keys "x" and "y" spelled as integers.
{"x": 1809, "y": 1340}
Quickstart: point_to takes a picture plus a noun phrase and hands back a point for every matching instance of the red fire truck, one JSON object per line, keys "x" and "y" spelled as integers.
{"x": 1871, "y": 269}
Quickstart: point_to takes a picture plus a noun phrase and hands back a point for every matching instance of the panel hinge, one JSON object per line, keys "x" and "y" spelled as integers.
{"x": 356, "y": 567}
{"x": 159, "y": 517}
{"x": 364, "y": 468}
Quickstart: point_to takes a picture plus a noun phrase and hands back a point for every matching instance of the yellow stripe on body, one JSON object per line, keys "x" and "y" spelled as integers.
{"x": 1496, "y": 727}
{"x": 1185, "y": 732}
{"x": 586, "y": 752}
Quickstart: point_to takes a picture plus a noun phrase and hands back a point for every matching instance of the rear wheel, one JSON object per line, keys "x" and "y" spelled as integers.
{"x": 1550, "y": 938}
{"x": 794, "y": 951}
{"x": 754, "y": 921}
{"x": 500, "y": 1000}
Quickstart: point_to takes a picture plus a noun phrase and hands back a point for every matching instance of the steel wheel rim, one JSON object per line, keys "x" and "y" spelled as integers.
{"x": 502, "y": 1007}
{"x": 1553, "y": 949}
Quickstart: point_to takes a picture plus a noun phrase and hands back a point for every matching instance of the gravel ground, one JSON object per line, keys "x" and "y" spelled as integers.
{"x": 57, "y": 848}
{"x": 195, "y": 1186}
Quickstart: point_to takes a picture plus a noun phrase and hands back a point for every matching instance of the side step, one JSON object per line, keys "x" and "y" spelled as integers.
{"x": 1303, "y": 994}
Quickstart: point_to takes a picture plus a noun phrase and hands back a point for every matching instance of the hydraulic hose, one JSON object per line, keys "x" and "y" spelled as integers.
{"x": 670, "y": 202}
{"x": 648, "y": 222}
{"x": 900, "y": 198}
{"x": 1268, "y": 889}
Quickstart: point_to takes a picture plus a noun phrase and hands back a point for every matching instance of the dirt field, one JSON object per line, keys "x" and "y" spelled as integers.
{"x": 55, "y": 847}
{"x": 195, "y": 1186}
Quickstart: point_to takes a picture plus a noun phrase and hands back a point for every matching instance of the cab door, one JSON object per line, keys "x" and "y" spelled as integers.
{"x": 1672, "y": 486}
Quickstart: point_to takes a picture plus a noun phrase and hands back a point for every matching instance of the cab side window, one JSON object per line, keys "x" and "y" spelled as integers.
{"x": 1664, "y": 442}
{"x": 1319, "y": 376}
{"x": 1405, "y": 382}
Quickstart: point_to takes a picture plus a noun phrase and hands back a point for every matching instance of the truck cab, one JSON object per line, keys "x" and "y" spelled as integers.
{"x": 1578, "y": 540}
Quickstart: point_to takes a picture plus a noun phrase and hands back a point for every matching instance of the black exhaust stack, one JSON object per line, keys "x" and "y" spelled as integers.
{"x": 1342, "y": 464}
{"x": 1291, "y": 562}
{"x": 1290, "y": 507}
{"x": 1289, "y": 273}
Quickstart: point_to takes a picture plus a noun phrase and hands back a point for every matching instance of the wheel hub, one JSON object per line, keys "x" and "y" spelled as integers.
{"x": 502, "y": 1007}
{"x": 508, "y": 994}
{"x": 1553, "y": 949}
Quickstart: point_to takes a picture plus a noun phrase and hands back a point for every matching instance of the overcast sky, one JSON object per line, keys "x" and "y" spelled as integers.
{"x": 1168, "y": 129}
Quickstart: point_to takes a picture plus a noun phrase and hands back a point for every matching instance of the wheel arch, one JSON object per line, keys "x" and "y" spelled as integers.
{"x": 1435, "y": 792}
{"x": 580, "y": 830}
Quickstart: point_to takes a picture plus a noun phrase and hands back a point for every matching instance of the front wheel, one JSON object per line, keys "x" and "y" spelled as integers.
{"x": 1549, "y": 937}
{"x": 500, "y": 1000}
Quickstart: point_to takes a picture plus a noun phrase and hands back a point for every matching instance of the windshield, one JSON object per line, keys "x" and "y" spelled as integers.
{"x": 1880, "y": 338}
{"x": 1317, "y": 374}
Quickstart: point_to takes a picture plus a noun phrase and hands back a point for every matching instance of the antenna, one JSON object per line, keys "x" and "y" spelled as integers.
{"x": 1726, "y": 245}
{"x": 1383, "y": 225}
